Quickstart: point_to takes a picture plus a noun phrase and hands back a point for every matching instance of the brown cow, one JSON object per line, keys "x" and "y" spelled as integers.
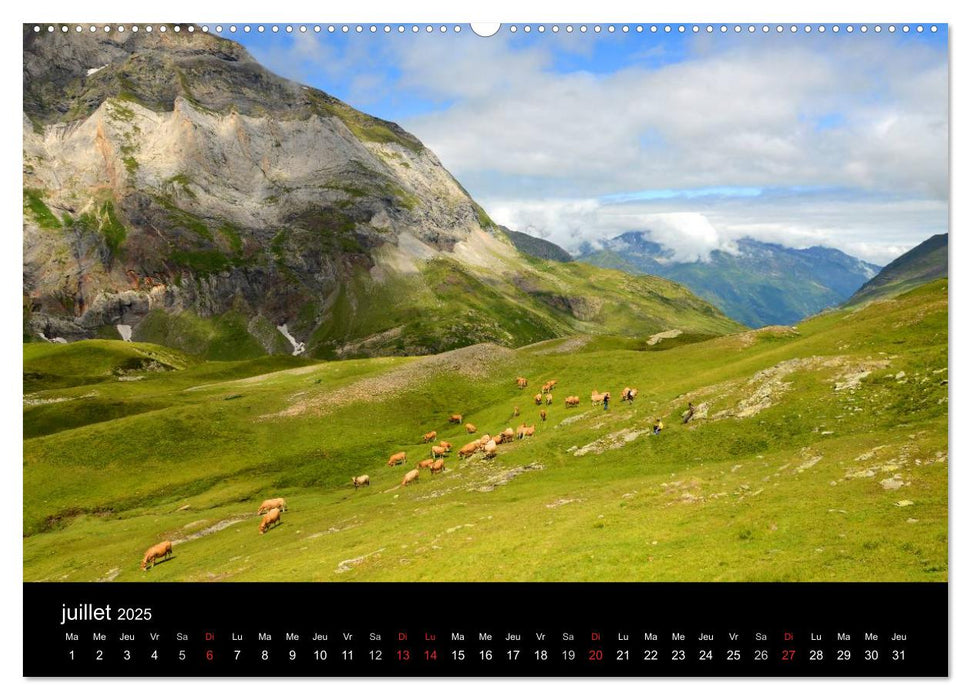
{"x": 426, "y": 463}
{"x": 158, "y": 551}
{"x": 438, "y": 466}
{"x": 572, "y": 401}
{"x": 455, "y": 418}
{"x": 469, "y": 428}
{"x": 469, "y": 449}
{"x": 521, "y": 382}
{"x": 542, "y": 414}
{"x": 538, "y": 399}
{"x": 484, "y": 439}
{"x": 507, "y": 435}
{"x": 271, "y": 503}
{"x": 397, "y": 458}
{"x": 446, "y": 445}
{"x": 363, "y": 480}
{"x": 409, "y": 477}
{"x": 549, "y": 399}
{"x": 428, "y": 437}
{"x": 528, "y": 432}
{"x": 438, "y": 451}
{"x": 271, "y": 518}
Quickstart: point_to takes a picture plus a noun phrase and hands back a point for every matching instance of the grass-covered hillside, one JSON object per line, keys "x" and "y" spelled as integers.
{"x": 919, "y": 265}
{"x": 816, "y": 453}
{"x": 446, "y": 306}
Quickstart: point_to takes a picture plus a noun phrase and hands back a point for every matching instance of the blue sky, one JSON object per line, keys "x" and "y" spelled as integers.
{"x": 835, "y": 138}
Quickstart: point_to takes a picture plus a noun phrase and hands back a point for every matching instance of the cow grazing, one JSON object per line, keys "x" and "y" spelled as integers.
{"x": 359, "y": 481}
{"x": 549, "y": 399}
{"x": 490, "y": 449}
{"x": 426, "y": 463}
{"x": 271, "y": 503}
{"x": 455, "y": 418}
{"x": 484, "y": 439}
{"x": 409, "y": 477}
{"x": 270, "y": 519}
{"x": 542, "y": 415}
{"x": 470, "y": 428}
{"x": 438, "y": 451}
{"x": 528, "y": 432}
{"x": 428, "y": 437}
{"x": 469, "y": 450}
{"x": 446, "y": 445}
{"x": 538, "y": 399}
{"x": 521, "y": 382}
{"x": 158, "y": 551}
{"x": 572, "y": 401}
{"x": 507, "y": 435}
{"x": 438, "y": 466}
{"x": 397, "y": 458}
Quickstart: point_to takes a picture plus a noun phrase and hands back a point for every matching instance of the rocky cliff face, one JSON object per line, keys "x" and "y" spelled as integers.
{"x": 179, "y": 174}
{"x": 174, "y": 186}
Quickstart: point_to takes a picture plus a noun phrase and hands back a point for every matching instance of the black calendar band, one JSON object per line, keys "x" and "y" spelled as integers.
{"x": 477, "y": 629}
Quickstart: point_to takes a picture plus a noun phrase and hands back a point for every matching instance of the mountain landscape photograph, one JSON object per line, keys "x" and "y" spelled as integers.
{"x": 315, "y": 305}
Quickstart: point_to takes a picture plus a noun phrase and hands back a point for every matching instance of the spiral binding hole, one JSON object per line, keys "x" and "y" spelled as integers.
{"x": 512, "y": 28}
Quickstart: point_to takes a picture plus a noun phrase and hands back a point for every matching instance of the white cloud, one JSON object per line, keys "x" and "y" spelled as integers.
{"x": 537, "y": 147}
{"x": 689, "y": 235}
{"x": 873, "y": 230}
{"x": 540, "y": 147}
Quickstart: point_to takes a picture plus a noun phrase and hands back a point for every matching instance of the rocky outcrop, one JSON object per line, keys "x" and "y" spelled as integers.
{"x": 181, "y": 175}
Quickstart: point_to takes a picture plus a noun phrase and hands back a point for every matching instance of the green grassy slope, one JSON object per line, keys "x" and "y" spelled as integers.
{"x": 816, "y": 454}
{"x": 448, "y": 307}
{"x": 919, "y": 265}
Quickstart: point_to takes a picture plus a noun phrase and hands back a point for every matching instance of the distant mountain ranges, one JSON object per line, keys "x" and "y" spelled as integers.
{"x": 766, "y": 283}
{"x": 763, "y": 284}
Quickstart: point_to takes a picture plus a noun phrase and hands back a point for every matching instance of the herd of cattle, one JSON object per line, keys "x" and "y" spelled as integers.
{"x": 488, "y": 444}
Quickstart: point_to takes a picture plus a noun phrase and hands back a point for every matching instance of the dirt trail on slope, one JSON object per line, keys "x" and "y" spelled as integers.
{"x": 212, "y": 529}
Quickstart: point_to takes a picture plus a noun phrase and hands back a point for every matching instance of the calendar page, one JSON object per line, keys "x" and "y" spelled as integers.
{"x": 550, "y": 349}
